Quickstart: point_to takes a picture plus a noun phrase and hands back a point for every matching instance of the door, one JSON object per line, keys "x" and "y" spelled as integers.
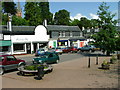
{"x": 11, "y": 62}
{"x": 51, "y": 58}
{"x": 28, "y": 46}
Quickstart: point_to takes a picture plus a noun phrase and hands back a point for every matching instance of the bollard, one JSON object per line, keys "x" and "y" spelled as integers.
{"x": 89, "y": 62}
{"x": 97, "y": 60}
{"x": 40, "y": 72}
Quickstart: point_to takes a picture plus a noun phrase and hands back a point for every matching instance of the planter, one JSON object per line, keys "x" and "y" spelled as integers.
{"x": 107, "y": 66}
{"x": 24, "y": 71}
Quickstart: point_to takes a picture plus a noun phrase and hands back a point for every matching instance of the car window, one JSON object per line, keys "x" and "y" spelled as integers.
{"x": 10, "y": 58}
{"x": 1, "y": 59}
{"x": 51, "y": 55}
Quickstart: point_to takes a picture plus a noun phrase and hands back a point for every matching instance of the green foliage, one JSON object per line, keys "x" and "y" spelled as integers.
{"x": 17, "y": 21}
{"x": 62, "y": 17}
{"x": 106, "y": 37}
{"x": 4, "y": 19}
{"x": 45, "y": 12}
{"x": 75, "y": 22}
{"x": 37, "y": 12}
{"x": 33, "y": 67}
{"x": 84, "y": 22}
{"x": 9, "y": 7}
{"x": 105, "y": 62}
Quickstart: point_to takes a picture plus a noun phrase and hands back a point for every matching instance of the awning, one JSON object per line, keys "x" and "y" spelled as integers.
{"x": 5, "y": 43}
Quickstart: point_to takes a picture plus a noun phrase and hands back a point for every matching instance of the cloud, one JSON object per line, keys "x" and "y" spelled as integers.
{"x": 77, "y": 16}
{"x": 93, "y": 16}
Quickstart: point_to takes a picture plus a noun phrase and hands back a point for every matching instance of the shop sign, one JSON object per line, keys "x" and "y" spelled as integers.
{"x": 21, "y": 39}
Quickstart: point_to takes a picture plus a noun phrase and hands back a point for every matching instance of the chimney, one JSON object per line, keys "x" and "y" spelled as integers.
{"x": 45, "y": 22}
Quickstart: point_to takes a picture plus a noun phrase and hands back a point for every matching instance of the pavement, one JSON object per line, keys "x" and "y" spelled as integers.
{"x": 69, "y": 74}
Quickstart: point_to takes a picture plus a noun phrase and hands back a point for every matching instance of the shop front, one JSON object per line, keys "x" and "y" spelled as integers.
{"x": 5, "y": 45}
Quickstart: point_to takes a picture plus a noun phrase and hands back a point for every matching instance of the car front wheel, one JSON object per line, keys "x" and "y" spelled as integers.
{"x": 20, "y": 67}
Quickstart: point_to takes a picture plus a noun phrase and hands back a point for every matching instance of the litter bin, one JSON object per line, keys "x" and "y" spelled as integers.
{"x": 40, "y": 72}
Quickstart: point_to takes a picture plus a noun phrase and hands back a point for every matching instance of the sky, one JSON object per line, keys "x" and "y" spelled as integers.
{"x": 79, "y": 9}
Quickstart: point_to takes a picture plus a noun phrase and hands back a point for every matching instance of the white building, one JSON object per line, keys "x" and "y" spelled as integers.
{"x": 25, "y": 39}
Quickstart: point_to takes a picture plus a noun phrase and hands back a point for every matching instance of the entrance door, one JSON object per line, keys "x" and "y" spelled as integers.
{"x": 35, "y": 47}
{"x": 28, "y": 46}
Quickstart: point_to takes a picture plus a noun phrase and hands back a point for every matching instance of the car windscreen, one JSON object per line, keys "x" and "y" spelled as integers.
{"x": 1, "y": 59}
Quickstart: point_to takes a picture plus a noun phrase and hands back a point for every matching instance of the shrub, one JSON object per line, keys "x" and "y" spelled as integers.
{"x": 33, "y": 67}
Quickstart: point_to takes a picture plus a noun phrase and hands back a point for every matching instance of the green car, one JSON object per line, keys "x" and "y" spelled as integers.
{"x": 48, "y": 57}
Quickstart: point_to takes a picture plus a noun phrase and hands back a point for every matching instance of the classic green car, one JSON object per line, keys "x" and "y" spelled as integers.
{"x": 48, "y": 57}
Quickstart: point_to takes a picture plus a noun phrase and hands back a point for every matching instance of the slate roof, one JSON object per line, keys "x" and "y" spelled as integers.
{"x": 62, "y": 28}
{"x": 18, "y": 30}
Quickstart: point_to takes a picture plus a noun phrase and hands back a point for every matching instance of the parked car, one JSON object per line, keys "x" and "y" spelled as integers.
{"x": 40, "y": 51}
{"x": 58, "y": 50}
{"x": 8, "y": 62}
{"x": 48, "y": 57}
{"x": 66, "y": 50}
{"x": 69, "y": 49}
{"x": 73, "y": 49}
{"x": 89, "y": 48}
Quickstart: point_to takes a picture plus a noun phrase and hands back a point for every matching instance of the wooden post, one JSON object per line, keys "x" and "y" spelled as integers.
{"x": 89, "y": 62}
{"x": 97, "y": 60}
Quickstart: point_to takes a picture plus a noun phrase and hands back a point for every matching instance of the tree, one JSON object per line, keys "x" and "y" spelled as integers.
{"x": 9, "y": 7}
{"x": 74, "y": 22}
{"x": 45, "y": 12}
{"x": 62, "y": 17}
{"x": 106, "y": 37}
{"x": 84, "y": 22}
{"x": 33, "y": 13}
{"x": 19, "y": 21}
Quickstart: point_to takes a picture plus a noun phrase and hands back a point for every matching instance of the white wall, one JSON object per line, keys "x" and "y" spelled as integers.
{"x": 40, "y": 35}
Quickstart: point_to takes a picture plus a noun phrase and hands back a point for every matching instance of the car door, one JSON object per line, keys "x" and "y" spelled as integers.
{"x": 11, "y": 62}
{"x": 51, "y": 58}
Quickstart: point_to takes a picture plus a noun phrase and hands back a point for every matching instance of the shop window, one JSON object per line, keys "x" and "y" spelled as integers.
{"x": 4, "y": 48}
{"x": 18, "y": 47}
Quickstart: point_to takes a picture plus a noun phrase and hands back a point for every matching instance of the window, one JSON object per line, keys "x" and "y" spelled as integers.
{"x": 4, "y": 48}
{"x": 67, "y": 34}
{"x": 11, "y": 58}
{"x": 1, "y": 59}
{"x": 76, "y": 33}
{"x": 55, "y": 34}
{"x": 51, "y": 55}
{"x": 18, "y": 47}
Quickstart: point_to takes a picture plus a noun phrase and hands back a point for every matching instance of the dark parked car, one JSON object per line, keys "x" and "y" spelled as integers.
{"x": 8, "y": 62}
{"x": 48, "y": 57}
{"x": 89, "y": 48}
